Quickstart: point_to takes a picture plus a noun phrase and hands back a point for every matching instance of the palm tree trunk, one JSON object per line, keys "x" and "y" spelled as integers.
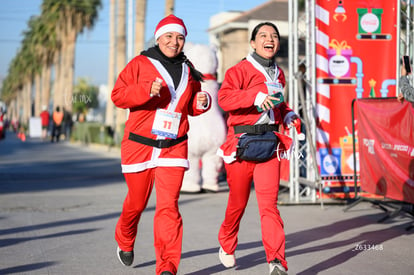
{"x": 27, "y": 101}
{"x": 69, "y": 71}
{"x": 57, "y": 83}
{"x": 120, "y": 59}
{"x": 46, "y": 77}
{"x": 69, "y": 34}
{"x": 169, "y": 7}
{"x": 110, "y": 107}
{"x": 140, "y": 15}
{"x": 38, "y": 95}
{"x": 65, "y": 63}
{"x": 12, "y": 110}
{"x": 19, "y": 106}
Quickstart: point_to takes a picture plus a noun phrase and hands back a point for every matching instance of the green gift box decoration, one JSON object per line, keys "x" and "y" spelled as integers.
{"x": 369, "y": 20}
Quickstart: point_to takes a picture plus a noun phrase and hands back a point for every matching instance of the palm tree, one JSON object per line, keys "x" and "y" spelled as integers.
{"x": 71, "y": 18}
{"x": 169, "y": 7}
{"x": 120, "y": 42}
{"x": 32, "y": 41}
{"x": 48, "y": 47}
{"x": 39, "y": 38}
{"x": 110, "y": 107}
{"x": 120, "y": 59}
{"x": 29, "y": 66}
{"x": 140, "y": 14}
{"x": 50, "y": 39}
{"x": 12, "y": 83}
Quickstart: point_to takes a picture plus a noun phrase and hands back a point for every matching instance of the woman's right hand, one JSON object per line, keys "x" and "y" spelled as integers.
{"x": 156, "y": 87}
{"x": 267, "y": 103}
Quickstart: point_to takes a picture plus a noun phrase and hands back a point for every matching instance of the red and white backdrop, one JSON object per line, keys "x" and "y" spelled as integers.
{"x": 356, "y": 53}
{"x": 386, "y": 148}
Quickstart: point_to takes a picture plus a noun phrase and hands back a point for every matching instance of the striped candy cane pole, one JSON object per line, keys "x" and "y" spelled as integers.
{"x": 322, "y": 90}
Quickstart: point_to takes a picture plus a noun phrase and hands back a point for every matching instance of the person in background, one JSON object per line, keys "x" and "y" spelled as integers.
{"x": 248, "y": 95}
{"x": 406, "y": 90}
{"x": 161, "y": 89}
{"x": 81, "y": 118}
{"x": 57, "y": 119}
{"x": 67, "y": 123}
{"x": 44, "y": 117}
{"x": 2, "y": 123}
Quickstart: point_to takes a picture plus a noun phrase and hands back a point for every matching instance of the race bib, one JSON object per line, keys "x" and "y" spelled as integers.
{"x": 166, "y": 123}
{"x": 274, "y": 88}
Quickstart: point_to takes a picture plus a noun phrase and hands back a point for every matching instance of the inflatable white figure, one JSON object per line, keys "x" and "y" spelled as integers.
{"x": 207, "y": 131}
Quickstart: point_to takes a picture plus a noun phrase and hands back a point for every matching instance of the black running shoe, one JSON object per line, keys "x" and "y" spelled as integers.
{"x": 126, "y": 258}
{"x": 166, "y": 273}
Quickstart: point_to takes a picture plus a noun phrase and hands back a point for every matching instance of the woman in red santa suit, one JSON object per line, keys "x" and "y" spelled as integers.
{"x": 248, "y": 95}
{"x": 161, "y": 88}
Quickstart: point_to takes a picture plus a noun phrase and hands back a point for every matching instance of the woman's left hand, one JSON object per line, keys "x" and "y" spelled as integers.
{"x": 295, "y": 121}
{"x": 400, "y": 98}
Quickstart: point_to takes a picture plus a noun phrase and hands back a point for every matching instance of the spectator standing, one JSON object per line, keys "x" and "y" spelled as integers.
{"x": 406, "y": 90}
{"x": 45, "y": 119}
{"x": 67, "y": 123}
{"x": 57, "y": 119}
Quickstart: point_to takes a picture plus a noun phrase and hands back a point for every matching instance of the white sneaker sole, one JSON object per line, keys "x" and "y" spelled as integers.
{"x": 226, "y": 259}
{"x": 277, "y": 270}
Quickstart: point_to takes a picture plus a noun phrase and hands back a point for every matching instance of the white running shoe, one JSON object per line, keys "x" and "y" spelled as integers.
{"x": 228, "y": 260}
{"x": 276, "y": 268}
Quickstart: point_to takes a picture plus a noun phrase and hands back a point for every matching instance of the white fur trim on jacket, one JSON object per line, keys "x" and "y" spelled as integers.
{"x": 226, "y": 159}
{"x": 170, "y": 28}
{"x": 164, "y": 162}
{"x": 260, "y": 98}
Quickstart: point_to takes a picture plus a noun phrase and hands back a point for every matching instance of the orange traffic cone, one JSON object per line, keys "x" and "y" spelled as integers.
{"x": 21, "y": 136}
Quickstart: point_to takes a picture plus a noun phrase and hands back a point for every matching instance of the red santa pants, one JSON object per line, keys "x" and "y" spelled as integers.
{"x": 240, "y": 175}
{"x": 168, "y": 225}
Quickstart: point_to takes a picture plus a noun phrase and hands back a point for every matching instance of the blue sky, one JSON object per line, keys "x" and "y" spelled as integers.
{"x": 92, "y": 47}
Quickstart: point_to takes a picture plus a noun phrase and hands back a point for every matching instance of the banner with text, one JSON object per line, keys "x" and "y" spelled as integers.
{"x": 385, "y": 130}
{"x": 356, "y": 53}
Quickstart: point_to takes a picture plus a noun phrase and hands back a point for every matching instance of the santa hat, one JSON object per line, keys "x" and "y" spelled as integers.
{"x": 171, "y": 23}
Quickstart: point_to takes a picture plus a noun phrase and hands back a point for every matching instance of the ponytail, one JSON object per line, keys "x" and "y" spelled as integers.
{"x": 194, "y": 73}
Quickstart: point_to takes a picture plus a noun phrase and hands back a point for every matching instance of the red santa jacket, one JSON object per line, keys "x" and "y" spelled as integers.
{"x": 132, "y": 91}
{"x": 241, "y": 85}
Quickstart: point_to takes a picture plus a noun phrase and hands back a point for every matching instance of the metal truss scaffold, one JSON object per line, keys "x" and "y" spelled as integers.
{"x": 304, "y": 178}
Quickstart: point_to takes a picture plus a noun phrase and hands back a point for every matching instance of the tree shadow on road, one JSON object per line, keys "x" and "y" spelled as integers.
{"x": 15, "y": 241}
{"x": 370, "y": 240}
{"x": 26, "y": 268}
{"x": 331, "y": 232}
{"x": 40, "y": 166}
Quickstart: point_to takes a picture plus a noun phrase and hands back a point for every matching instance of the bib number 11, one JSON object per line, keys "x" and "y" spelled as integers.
{"x": 166, "y": 123}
